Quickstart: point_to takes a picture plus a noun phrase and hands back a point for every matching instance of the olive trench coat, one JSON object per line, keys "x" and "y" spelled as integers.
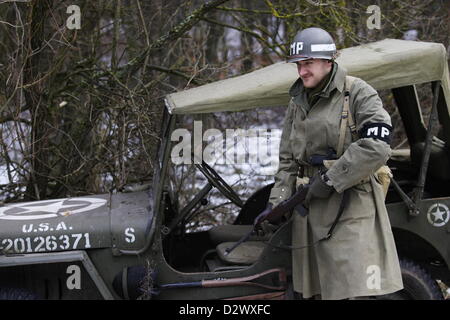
{"x": 360, "y": 259}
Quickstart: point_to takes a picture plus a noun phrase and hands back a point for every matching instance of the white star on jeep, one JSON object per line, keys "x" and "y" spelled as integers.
{"x": 49, "y": 207}
{"x": 438, "y": 214}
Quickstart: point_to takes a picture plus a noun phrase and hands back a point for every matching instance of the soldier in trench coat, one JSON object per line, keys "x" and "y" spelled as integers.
{"x": 360, "y": 259}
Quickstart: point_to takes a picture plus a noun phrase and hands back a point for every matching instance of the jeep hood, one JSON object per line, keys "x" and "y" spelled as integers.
{"x": 121, "y": 221}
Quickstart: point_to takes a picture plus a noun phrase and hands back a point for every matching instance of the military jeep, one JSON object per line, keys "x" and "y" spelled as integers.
{"x": 134, "y": 245}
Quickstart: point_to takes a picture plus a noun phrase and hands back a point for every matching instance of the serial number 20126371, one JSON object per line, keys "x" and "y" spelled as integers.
{"x": 47, "y": 243}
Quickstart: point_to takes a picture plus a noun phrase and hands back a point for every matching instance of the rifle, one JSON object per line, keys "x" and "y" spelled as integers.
{"x": 294, "y": 201}
{"x": 274, "y": 215}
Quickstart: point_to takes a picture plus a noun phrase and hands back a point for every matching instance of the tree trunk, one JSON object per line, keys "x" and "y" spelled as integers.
{"x": 35, "y": 99}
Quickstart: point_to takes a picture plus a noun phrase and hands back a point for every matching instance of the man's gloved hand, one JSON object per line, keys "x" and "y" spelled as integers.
{"x": 319, "y": 188}
{"x": 263, "y": 214}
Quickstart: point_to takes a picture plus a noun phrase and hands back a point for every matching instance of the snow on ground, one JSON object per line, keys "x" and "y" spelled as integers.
{"x": 3, "y": 175}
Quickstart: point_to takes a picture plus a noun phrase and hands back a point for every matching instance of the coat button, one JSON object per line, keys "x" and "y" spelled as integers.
{"x": 344, "y": 168}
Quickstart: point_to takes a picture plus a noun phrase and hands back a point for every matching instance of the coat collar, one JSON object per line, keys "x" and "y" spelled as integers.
{"x": 336, "y": 82}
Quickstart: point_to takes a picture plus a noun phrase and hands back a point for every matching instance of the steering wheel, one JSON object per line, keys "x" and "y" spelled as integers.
{"x": 216, "y": 180}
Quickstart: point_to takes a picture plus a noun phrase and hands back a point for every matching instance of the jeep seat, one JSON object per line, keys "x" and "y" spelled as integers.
{"x": 232, "y": 233}
{"x": 245, "y": 254}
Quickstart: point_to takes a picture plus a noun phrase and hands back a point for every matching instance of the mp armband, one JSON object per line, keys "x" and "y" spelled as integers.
{"x": 380, "y": 131}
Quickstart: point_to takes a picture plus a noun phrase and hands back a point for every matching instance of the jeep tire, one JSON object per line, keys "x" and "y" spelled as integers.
{"x": 417, "y": 283}
{"x": 16, "y": 294}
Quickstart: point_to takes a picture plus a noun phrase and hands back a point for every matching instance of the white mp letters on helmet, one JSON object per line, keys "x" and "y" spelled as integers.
{"x": 296, "y": 47}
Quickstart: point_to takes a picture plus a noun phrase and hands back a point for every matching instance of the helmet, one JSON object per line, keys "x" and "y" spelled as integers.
{"x": 312, "y": 43}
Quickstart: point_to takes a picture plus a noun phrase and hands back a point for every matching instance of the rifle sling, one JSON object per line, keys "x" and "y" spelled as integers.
{"x": 342, "y": 205}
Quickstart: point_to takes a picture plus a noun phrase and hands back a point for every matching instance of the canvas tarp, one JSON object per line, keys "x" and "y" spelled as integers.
{"x": 389, "y": 63}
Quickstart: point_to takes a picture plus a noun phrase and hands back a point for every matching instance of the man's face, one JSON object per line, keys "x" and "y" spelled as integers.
{"x": 313, "y": 71}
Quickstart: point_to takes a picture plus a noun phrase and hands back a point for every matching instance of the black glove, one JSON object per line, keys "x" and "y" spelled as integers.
{"x": 260, "y": 218}
{"x": 301, "y": 209}
{"x": 318, "y": 188}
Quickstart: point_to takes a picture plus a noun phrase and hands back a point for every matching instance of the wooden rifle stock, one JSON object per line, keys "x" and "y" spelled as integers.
{"x": 287, "y": 205}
